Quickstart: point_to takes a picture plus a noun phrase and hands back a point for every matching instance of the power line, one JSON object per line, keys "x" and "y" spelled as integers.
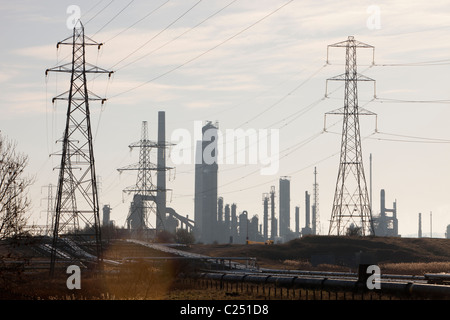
{"x": 284, "y": 97}
{"x": 143, "y": 18}
{"x": 98, "y": 12}
{"x": 93, "y": 7}
{"x": 179, "y": 36}
{"x": 382, "y": 100}
{"x": 415, "y": 64}
{"x": 409, "y": 141}
{"x": 152, "y": 38}
{"x": 416, "y": 139}
{"x": 114, "y": 17}
{"x": 202, "y": 54}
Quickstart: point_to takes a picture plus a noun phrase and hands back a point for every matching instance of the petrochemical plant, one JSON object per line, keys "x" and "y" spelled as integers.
{"x": 215, "y": 220}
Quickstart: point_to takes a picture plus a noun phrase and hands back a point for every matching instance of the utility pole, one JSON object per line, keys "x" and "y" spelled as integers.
{"x": 351, "y": 205}
{"x": 77, "y": 197}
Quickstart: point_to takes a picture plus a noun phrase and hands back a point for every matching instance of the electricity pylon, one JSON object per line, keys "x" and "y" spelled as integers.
{"x": 148, "y": 199}
{"x": 77, "y": 197}
{"x": 144, "y": 189}
{"x": 351, "y": 205}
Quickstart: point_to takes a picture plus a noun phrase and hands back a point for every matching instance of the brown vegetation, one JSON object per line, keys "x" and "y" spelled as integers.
{"x": 158, "y": 280}
{"x": 297, "y": 254}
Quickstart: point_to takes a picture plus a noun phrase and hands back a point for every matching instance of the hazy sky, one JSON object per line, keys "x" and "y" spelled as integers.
{"x": 250, "y": 65}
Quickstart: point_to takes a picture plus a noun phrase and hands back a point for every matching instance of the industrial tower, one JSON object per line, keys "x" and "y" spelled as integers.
{"x": 273, "y": 220}
{"x": 206, "y": 175}
{"x": 351, "y": 205}
{"x": 265, "y": 198}
{"x": 76, "y": 197}
{"x": 284, "y": 207}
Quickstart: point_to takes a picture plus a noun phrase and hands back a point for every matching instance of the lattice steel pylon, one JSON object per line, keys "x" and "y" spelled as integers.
{"x": 144, "y": 189}
{"x": 351, "y": 209}
{"x": 145, "y": 198}
{"x": 76, "y": 196}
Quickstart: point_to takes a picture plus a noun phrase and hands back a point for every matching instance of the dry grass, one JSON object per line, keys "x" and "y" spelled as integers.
{"x": 419, "y": 268}
{"x": 149, "y": 282}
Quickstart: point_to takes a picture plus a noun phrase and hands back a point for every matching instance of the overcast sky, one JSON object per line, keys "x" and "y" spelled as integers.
{"x": 245, "y": 64}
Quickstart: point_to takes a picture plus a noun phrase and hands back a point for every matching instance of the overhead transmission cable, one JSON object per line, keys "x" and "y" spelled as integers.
{"x": 179, "y": 36}
{"x": 135, "y": 23}
{"x": 392, "y": 100}
{"x": 415, "y": 64}
{"x": 114, "y": 17}
{"x": 203, "y": 53}
{"x": 152, "y": 38}
{"x": 284, "y": 97}
{"x": 85, "y": 23}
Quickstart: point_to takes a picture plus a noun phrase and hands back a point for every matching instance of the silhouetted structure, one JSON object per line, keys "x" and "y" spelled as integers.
{"x": 284, "y": 208}
{"x": 386, "y": 225}
{"x": 106, "y": 215}
{"x": 351, "y": 204}
{"x": 77, "y": 196}
{"x": 273, "y": 220}
{"x": 266, "y": 216}
{"x": 419, "y": 233}
{"x": 205, "y": 203}
{"x": 144, "y": 191}
{"x": 307, "y": 229}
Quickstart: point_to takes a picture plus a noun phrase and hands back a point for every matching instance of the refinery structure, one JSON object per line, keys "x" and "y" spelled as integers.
{"x": 215, "y": 220}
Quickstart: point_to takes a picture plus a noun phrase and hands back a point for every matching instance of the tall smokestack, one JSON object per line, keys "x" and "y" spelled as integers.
{"x": 161, "y": 164}
{"x": 382, "y": 203}
{"x": 273, "y": 231}
{"x": 431, "y": 224}
{"x": 266, "y": 215}
{"x": 307, "y": 208}
{"x": 420, "y": 226}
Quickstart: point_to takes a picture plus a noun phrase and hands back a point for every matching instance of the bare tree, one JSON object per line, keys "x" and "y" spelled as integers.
{"x": 13, "y": 189}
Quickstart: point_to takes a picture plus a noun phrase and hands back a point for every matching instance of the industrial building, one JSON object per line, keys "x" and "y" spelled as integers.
{"x": 386, "y": 224}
